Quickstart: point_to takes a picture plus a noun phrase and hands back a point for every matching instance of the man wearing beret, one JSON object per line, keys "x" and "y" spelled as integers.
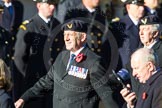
{"x": 78, "y": 77}
{"x": 150, "y": 28}
{"x": 37, "y": 45}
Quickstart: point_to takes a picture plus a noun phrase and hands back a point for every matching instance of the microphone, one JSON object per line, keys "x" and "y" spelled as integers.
{"x": 120, "y": 77}
{"x": 123, "y": 74}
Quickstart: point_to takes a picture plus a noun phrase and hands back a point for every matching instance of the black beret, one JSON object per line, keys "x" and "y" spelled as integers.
{"x": 149, "y": 20}
{"x": 47, "y": 1}
{"x": 75, "y": 25}
{"x": 136, "y": 2}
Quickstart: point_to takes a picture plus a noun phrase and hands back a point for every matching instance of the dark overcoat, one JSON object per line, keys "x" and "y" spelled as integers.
{"x": 150, "y": 95}
{"x": 72, "y": 90}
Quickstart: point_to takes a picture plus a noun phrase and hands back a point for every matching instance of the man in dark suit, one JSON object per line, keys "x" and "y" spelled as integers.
{"x": 38, "y": 44}
{"x": 145, "y": 65}
{"x": 126, "y": 31}
{"x": 77, "y": 80}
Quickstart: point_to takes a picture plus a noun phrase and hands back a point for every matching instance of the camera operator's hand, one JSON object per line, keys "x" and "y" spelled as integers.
{"x": 128, "y": 96}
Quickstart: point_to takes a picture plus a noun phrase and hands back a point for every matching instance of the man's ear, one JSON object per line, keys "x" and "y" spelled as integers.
{"x": 155, "y": 34}
{"x": 84, "y": 36}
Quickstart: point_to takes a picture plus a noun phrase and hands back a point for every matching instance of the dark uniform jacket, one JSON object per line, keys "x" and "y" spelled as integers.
{"x": 4, "y": 45}
{"x": 135, "y": 83}
{"x": 157, "y": 12}
{"x": 11, "y": 22}
{"x": 63, "y": 7}
{"x": 150, "y": 95}
{"x": 127, "y": 37}
{"x": 36, "y": 48}
{"x": 5, "y": 100}
{"x": 81, "y": 88}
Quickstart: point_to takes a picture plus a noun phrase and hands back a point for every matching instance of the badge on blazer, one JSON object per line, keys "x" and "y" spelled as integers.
{"x": 78, "y": 72}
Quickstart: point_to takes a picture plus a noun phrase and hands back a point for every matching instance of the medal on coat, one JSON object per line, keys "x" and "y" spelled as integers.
{"x": 78, "y": 72}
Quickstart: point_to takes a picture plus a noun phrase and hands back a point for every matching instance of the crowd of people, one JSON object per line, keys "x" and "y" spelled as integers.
{"x": 63, "y": 56}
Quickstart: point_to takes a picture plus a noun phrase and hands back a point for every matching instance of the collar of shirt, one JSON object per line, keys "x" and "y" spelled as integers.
{"x": 135, "y": 22}
{"x": 77, "y": 52}
{"x": 8, "y": 4}
{"x": 152, "y": 11}
{"x": 157, "y": 70}
{"x": 44, "y": 19}
{"x": 151, "y": 45}
{"x": 90, "y": 10}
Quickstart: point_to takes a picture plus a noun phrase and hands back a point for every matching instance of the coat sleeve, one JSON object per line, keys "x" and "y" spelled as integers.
{"x": 157, "y": 98}
{"x": 99, "y": 81}
{"x": 21, "y": 51}
{"x": 42, "y": 86}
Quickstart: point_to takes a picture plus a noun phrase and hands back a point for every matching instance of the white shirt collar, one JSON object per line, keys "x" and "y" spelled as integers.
{"x": 90, "y": 10}
{"x": 8, "y": 4}
{"x": 133, "y": 20}
{"x": 151, "y": 45}
{"x": 77, "y": 52}
{"x": 45, "y": 19}
{"x": 152, "y": 11}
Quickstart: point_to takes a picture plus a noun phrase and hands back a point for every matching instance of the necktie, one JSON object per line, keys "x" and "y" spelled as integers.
{"x": 48, "y": 24}
{"x": 10, "y": 8}
{"x": 72, "y": 56}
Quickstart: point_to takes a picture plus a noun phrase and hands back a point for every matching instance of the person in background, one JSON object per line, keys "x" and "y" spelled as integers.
{"x": 5, "y": 86}
{"x": 78, "y": 77}
{"x": 145, "y": 65}
{"x": 152, "y": 7}
{"x": 150, "y": 28}
{"x": 12, "y": 17}
{"x": 4, "y": 40}
{"x": 126, "y": 31}
{"x": 63, "y": 7}
{"x": 37, "y": 46}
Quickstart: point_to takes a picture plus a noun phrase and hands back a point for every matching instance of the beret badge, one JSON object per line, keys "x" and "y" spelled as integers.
{"x": 69, "y": 26}
{"x": 144, "y": 21}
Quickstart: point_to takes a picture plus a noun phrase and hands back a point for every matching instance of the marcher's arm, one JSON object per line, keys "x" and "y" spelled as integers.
{"x": 99, "y": 81}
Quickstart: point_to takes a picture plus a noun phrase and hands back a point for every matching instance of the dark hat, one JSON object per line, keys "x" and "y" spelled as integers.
{"x": 75, "y": 25}
{"x": 149, "y": 20}
{"x": 136, "y": 2}
{"x": 47, "y": 1}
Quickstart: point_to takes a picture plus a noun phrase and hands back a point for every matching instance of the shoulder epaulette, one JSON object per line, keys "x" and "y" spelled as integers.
{"x": 116, "y": 19}
{"x": 24, "y": 23}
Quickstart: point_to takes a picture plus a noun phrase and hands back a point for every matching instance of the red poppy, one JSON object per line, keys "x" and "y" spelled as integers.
{"x": 80, "y": 57}
{"x": 144, "y": 95}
